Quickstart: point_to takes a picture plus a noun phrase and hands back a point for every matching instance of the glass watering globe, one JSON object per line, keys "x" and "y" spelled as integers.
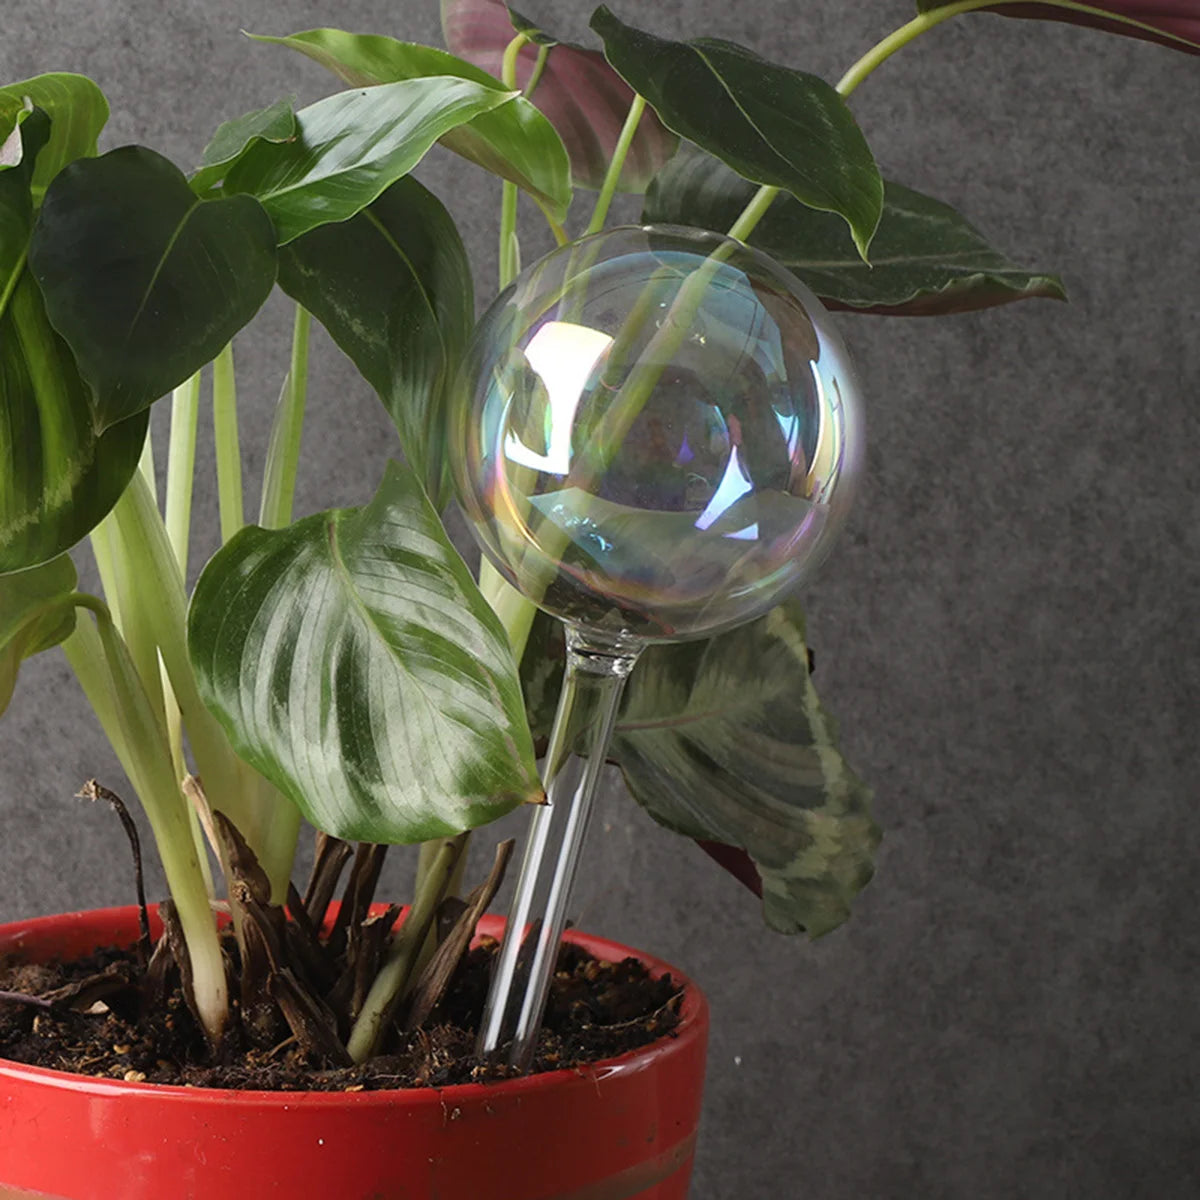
{"x": 657, "y": 435}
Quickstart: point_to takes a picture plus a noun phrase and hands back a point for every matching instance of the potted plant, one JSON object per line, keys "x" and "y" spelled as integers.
{"x": 277, "y": 194}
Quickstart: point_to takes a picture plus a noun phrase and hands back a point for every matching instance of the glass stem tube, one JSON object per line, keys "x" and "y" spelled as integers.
{"x": 583, "y": 728}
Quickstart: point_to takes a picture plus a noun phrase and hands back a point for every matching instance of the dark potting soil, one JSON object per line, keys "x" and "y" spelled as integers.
{"x": 597, "y": 1010}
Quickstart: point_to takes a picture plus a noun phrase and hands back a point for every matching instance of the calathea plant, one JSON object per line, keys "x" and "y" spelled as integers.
{"x": 346, "y": 667}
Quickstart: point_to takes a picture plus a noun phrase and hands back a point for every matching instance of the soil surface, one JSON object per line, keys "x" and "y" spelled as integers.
{"x": 96, "y": 1023}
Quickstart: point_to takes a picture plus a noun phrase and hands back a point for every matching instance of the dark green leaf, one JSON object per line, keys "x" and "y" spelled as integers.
{"x": 769, "y": 123}
{"x": 354, "y": 663}
{"x": 393, "y": 287}
{"x": 58, "y": 478}
{"x": 34, "y": 615}
{"x": 145, "y": 281}
{"x": 77, "y": 110}
{"x": 581, "y": 95}
{"x": 16, "y": 199}
{"x": 514, "y": 141}
{"x": 925, "y": 259}
{"x": 1173, "y": 23}
{"x": 353, "y": 146}
{"x": 726, "y": 742}
{"x": 274, "y": 124}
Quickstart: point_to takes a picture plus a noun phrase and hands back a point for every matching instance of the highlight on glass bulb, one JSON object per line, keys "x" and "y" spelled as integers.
{"x": 656, "y": 434}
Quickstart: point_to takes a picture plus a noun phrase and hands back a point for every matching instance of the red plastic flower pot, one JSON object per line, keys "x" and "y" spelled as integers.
{"x": 617, "y": 1130}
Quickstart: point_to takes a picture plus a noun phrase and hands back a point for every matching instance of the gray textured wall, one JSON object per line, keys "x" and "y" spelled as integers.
{"x": 1008, "y": 633}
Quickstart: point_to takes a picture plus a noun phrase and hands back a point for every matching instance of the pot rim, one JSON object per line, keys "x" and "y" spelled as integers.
{"x": 693, "y": 1022}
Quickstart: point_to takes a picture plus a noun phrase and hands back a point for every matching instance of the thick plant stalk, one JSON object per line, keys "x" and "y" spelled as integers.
{"x": 105, "y": 670}
{"x": 228, "y": 450}
{"x": 397, "y": 971}
{"x": 160, "y": 605}
{"x": 181, "y": 468}
{"x": 283, "y": 453}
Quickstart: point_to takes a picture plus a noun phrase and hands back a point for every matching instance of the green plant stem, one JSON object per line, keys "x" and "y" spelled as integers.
{"x": 510, "y": 251}
{"x": 394, "y": 976}
{"x": 105, "y": 670}
{"x": 181, "y": 467}
{"x": 225, "y": 435}
{"x": 535, "y": 76}
{"x": 160, "y": 606}
{"x": 882, "y": 51}
{"x": 515, "y": 612}
{"x": 287, "y": 430}
{"x": 612, "y": 177}
{"x": 146, "y": 465}
{"x": 123, "y": 585}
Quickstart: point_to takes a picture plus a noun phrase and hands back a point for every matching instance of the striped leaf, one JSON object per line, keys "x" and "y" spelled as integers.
{"x": 352, "y": 660}
{"x": 726, "y": 742}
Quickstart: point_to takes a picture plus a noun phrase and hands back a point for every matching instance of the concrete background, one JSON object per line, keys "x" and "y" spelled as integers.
{"x": 1008, "y": 633}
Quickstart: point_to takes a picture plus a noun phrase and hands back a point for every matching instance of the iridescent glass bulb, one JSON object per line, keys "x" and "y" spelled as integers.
{"x": 657, "y": 433}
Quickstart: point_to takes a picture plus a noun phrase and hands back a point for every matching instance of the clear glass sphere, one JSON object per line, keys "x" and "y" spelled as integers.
{"x": 656, "y": 434}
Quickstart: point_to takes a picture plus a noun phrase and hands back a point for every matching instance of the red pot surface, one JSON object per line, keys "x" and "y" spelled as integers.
{"x": 620, "y": 1129}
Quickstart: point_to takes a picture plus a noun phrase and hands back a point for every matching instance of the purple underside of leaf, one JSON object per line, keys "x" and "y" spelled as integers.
{"x": 579, "y": 94}
{"x": 737, "y": 862}
{"x": 1175, "y": 20}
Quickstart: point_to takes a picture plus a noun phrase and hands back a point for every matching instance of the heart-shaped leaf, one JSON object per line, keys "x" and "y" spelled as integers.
{"x": 1173, "y": 23}
{"x": 146, "y": 281}
{"x": 393, "y": 287}
{"x": 58, "y": 477}
{"x": 926, "y": 259}
{"x": 580, "y": 94}
{"x": 514, "y": 141}
{"x": 726, "y": 742}
{"x": 276, "y": 123}
{"x": 351, "y": 147}
{"x": 35, "y": 614}
{"x": 771, "y": 124}
{"x": 354, "y": 663}
{"x": 77, "y": 110}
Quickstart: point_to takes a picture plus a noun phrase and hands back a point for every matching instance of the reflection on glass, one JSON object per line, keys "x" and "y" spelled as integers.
{"x": 660, "y": 433}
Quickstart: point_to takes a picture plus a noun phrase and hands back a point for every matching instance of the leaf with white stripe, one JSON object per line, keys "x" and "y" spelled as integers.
{"x": 352, "y": 661}
{"x": 725, "y": 741}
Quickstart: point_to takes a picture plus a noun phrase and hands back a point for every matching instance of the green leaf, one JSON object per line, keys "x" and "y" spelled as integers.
{"x": 726, "y": 741}
{"x": 353, "y": 146}
{"x": 514, "y": 141}
{"x": 1174, "y": 23}
{"x": 28, "y": 139}
{"x": 580, "y": 94}
{"x": 77, "y": 110}
{"x": 926, "y": 259}
{"x": 274, "y": 124}
{"x": 393, "y": 287}
{"x": 35, "y": 615}
{"x": 58, "y": 477}
{"x": 354, "y": 663}
{"x": 144, "y": 280}
{"x": 771, "y": 124}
